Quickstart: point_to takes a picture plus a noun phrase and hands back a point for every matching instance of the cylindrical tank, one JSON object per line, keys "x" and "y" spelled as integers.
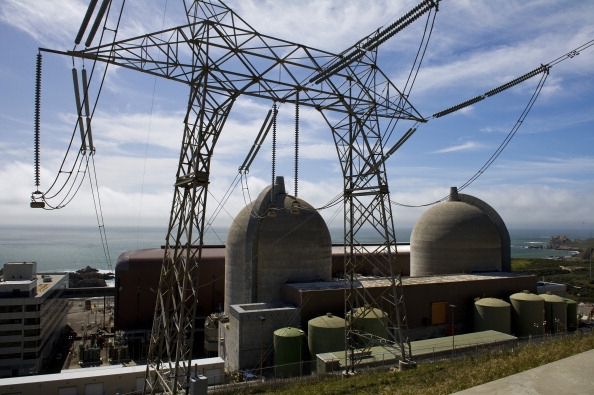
{"x": 527, "y": 314}
{"x": 273, "y": 240}
{"x": 555, "y": 313}
{"x": 572, "y": 314}
{"x": 369, "y": 320}
{"x": 325, "y": 334}
{"x": 289, "y": 350}
{"x": 492, "y": 314}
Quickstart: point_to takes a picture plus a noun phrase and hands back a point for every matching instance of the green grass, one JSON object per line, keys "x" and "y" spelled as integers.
{"x": 579, "y": 285}
{"x": 435, "y": 378}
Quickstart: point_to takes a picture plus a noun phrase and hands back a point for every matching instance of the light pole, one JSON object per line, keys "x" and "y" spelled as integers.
{"x": 262, "y": 319}
{"x": 453, "y": 306}
{"x": 590, "y": 256}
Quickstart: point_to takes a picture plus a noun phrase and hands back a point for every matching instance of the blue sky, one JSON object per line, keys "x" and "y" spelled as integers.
{"x": 544, "y": 178}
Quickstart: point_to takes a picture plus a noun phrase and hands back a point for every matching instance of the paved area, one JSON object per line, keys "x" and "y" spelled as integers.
{"x": 573, "y": 375}
{"x": 86, "y": 319}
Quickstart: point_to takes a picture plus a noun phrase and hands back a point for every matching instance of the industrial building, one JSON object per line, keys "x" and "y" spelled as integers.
{"x": 279, "y": 269}
{"x": 287, "y": 315}
{"x": 32, "y": 317}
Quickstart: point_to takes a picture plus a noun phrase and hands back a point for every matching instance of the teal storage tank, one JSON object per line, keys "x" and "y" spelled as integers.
{"x": 572, "y": 314}
{"x": 492, "y": 314}
{"x": 289, "y": 351}
{"x": 325, "y": 334}
{"x": 555, "y": 313}
{"x": 527, "y": 314}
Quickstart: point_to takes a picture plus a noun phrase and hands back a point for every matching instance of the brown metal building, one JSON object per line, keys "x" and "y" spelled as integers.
{"x": 137, "y": 278}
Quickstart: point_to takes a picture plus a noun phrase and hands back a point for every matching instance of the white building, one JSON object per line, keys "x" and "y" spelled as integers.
{"x": 32, "y": 316}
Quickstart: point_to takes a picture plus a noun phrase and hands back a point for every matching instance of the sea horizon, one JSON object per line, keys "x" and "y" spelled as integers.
{"x": 71, "y": 248}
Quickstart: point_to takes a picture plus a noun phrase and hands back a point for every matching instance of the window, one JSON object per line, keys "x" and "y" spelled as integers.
{"x": 10, "y": 344}
{"x": 31, "y": 307}
{"x": 32, "y": 332}
{"x": 11, "y": 309}
{"x": 11, "y": 321}
{"x": 32, "y": 321}
{"x": 31, "y": 344}
{"x": 11, "y": 333}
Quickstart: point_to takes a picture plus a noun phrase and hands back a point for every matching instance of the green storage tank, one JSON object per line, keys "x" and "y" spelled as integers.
{"x": 527, "y": 314}
{"x": 325, "y": 334}
{"x": 555, "y": 313}
{"x": 370, "y": 320}
{"x": 491, "y": 314}
{"x": 289, "y": 351}
{"x": 572, "y": 314}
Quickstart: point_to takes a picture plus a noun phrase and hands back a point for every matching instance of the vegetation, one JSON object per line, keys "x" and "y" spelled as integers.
{"x": 574, "y": 273}
{"x": 88, "y": 277}
{"x": 444, "y": 377}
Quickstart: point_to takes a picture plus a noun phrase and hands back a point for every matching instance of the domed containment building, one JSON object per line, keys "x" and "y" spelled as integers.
{"x": 462, "y": 235}
{"x": 276, "y": 239}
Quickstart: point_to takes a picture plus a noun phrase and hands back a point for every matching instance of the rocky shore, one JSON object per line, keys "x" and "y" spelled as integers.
{"x": 89, "y": 277}
{"x": 582, "y": 247}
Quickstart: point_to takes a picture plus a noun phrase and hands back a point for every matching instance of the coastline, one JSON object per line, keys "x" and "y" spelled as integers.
{"x": 68, "y": 249}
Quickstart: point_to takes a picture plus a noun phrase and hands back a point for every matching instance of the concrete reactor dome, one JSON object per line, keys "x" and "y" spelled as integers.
{"x": 462, "y": 235}
{"x": 274, "y": 241}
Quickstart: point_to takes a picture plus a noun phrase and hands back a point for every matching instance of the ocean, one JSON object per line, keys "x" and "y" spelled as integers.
{"x": 67, "y": 249}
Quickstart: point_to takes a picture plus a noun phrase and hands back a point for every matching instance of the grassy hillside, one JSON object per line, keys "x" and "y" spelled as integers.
{"x": 444, "y": 377}
{"x": 573, "y": 273}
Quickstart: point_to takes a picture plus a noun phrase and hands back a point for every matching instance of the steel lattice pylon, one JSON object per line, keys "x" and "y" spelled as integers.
{"x": 220, "y": 57}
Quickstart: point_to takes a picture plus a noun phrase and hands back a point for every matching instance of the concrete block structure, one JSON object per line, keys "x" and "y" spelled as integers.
{"x": 247, "y": 335}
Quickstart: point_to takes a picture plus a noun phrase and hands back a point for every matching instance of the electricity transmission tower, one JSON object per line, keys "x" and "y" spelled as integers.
{"x": 220, "y": 57}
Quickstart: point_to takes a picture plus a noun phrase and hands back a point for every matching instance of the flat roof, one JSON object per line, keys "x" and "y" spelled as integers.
{"x": 43, "y": 286}
{"x": 97, "y": 372}
{"x": 370, "y": 282}
{"x": 429, "y": 346}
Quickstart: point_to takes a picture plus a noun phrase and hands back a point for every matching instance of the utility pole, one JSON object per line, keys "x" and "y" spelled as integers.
{"x": 453, "y": 306}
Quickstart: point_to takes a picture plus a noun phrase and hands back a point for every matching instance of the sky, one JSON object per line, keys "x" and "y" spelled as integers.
{"x": 544, "y": 178}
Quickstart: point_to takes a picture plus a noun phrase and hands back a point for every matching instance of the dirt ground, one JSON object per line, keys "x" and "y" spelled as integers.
{"x": 85, "y": 317}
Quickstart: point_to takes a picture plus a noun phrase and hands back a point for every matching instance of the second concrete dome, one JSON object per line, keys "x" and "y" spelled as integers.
{"x": 462, "y": 235}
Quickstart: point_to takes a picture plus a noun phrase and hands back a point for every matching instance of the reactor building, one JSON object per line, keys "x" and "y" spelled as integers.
{"x": 280, "y": 279}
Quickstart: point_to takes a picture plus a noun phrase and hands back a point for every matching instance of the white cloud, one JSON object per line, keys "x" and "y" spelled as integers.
{"x": 467, "y": 146}
{"x": 476, "y": 46}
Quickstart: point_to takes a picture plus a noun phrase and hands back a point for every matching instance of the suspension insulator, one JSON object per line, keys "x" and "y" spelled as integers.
{"x": 274, "y": 114}
{"x": 79, "y": 108}
{"x": 97, "y": 22}
{"x": 85, "y": 22}
{"x": 87, "y": 109}
{"x": 37, "y": 117}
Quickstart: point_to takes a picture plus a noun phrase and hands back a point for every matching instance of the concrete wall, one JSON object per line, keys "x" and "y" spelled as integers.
{"x": 248, "y": 334}
{"x": 137, "y": 281}
{"x": 109, "y": 380}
